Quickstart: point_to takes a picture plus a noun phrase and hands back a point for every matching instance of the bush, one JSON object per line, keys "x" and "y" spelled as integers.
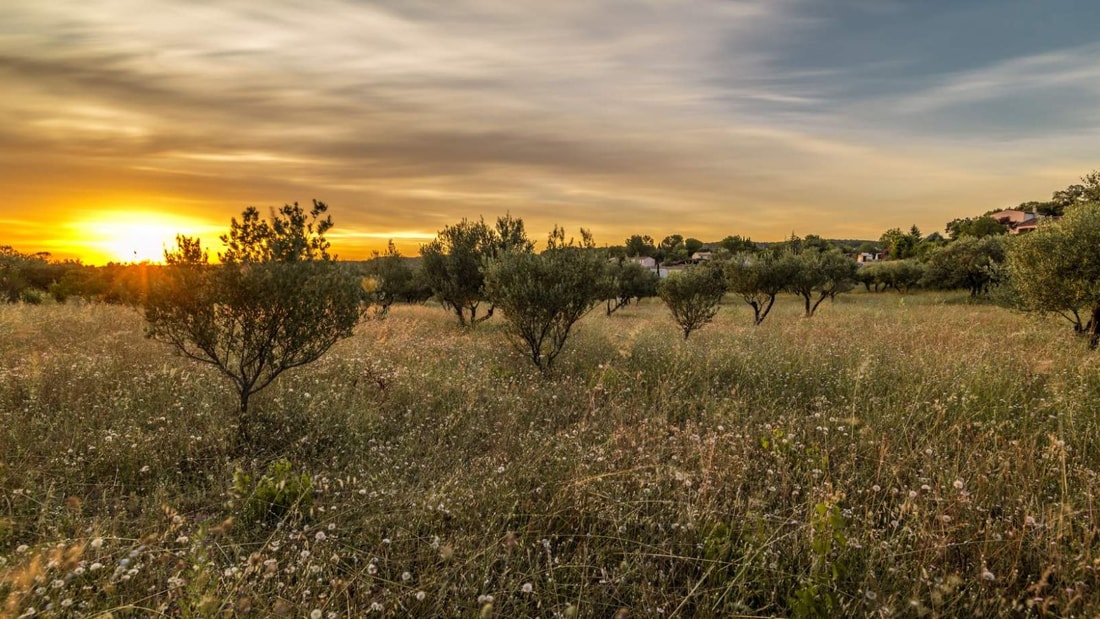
{"x": 278, "y": 493}
{"x": 543, "y": 296}
{"x": 693, "y": 296}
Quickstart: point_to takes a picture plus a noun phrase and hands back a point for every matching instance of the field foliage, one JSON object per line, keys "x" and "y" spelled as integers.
{"x": 902, "y": 455}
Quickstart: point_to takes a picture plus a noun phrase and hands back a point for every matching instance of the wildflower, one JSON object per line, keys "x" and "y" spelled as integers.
{"x": 988, "y": 575}
{"x": 876, "y": 488}
{"x": 958, "y": 484}
{"x": 376, "y": 607}
{"x": 372, "y": 569}
{"x": 97, "y": 542}
{"x": 485, "y": 599}
{"x": 95, "y": 567}
{"x": 406, "y": 576}
{"x": 315, "y": 613}
{"x": 527, "y": 587}
{"x": 420, "y": 595}
{"x": 22, "y": 548}
{"x": 320, "y": 536}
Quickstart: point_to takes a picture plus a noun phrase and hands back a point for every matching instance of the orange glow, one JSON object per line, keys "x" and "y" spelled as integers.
{"x": 135, "y": 236}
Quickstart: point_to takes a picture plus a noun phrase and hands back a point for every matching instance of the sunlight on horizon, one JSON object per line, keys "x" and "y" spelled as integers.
{"x": 135, "y": 236}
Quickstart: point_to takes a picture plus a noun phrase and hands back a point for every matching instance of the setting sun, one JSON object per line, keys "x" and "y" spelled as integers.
{"x": 133, "y": 236}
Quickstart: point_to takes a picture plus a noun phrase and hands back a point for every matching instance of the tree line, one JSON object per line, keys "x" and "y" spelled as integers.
{"x": 277, "y": 299}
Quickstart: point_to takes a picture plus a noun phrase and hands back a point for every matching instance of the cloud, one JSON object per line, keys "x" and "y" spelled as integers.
{"x": 406, "y": 116}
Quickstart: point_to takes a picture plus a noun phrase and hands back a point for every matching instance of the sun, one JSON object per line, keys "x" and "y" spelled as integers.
{"x": 133, "y": 236}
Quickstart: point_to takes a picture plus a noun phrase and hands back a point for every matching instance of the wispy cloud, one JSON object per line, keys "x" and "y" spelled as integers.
{"x": 624, "y": 116}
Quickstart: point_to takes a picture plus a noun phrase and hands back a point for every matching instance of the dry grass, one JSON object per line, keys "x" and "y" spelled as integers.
{"x": 913, "y": 456}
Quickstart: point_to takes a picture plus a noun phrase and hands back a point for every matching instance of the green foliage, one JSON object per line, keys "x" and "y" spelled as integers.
{"x": 901, "y": 275}
{"x": 970, "y": 263}
{"x": 640, "y": 245}
{"x": 693, "y": 295}
{"x": 977, "y": 227}
{"x": 671, "y": 250}
{"x": 900, "y": 245}
{"x": 818, "y": 596}
{"x": 453, "y": 264}
{"x": 389, "y": 278}
{"x": 278, "y": 493}
{"x": 1056, "y": 269}
{"x": 1088, "y": 190}
{"x": 737, "y": 244}
{"x": 25, "y": 277}
{"x": 277, "y": 301}
{"x": 544, "y": 295}
{"x": 758, "y": 278}
{"x": 819, "y": 275}
{"x": 626, "y": 281}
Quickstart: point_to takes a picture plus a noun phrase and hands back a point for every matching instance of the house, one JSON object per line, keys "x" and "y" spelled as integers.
{"x": 1016, "y": 221}
{"x": 868, "y": 256}
{"x": 645, "y": 261}
{"x": 701, "y": 256}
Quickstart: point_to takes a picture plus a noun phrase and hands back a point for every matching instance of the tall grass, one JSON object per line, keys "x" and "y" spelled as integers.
{"x": 913, "y": 456}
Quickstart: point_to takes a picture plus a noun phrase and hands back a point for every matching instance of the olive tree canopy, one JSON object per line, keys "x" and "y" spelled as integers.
{"x": 1056, "y": 269}
{"x": 276, "y": 301}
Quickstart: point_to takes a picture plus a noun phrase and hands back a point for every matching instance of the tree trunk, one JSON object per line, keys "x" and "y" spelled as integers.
{"x": 1094, "y": 331}
{"x": 244, "y": 435}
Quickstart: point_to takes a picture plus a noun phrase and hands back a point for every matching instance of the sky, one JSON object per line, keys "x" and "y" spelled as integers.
{"x": 126, "y": 121}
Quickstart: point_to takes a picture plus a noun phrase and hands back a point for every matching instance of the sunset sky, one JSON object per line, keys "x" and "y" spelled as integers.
{"x": 125, "y": 121}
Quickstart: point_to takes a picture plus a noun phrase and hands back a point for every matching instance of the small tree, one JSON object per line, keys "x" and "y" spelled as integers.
{"x": 389, "y": 278}
{"x": 627, "y": 281}
{"x": 277, "y": 301}
{"x": 693, "y": 296}
{"x": 453, "y": 263}
{"x": 1056, "y": 269}
{"x": 542, "y": 296}
{"x": 819, "y": 275}
{"x": 758, "y": 278}
{"x": 970, "y": 263}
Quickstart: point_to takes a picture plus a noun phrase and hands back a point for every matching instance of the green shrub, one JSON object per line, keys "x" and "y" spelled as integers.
{"x": 278, "y": 493}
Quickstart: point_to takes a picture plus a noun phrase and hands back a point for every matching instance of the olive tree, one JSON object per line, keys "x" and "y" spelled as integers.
{"x": 277, "y": 300}
{"x": 388, "y": 278}
{"x": 819, "y": 275}
{"x": 693, "y": 296}
{"x": 453, "y": 264}
{"x": 970, "y": 263}
{"x": 758, "y": 278}
{"x": 627, "y": 281}
{"x": 543, "y": 295}
{"x": 1056, "y": 269}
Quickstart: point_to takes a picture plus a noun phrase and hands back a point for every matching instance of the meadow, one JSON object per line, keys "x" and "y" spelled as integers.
{"x": 892, "y": 456}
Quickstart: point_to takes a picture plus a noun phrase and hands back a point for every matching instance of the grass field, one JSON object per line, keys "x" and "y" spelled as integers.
{"x": 905, "y": 456}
